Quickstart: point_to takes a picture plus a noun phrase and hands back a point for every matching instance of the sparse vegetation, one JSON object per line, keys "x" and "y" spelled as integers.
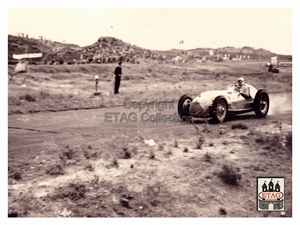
{"x": 271, "y": 141}
{"x": 206, "y": 128}
{"x": 239, "y": 126}
{"x": 152, "y": 155}
{"x": 224, "y": 142}
{"x": 67, "y": 153}
{"x": 289, "y": 141}
{"x": 14, "y": 174}
{"x": 176, "y": 144}
{"x": 168, "y": 153}
{"x": 89, "y": 167}
{"x": 222, "y": 211}
{"x": 114, "y": 163}
{"x": 207, "y": 157}
{"x": 55, "y": 169}
{"x": 161, "y": 147}
{"x": 127, "y": 153}
{"x": 74, "y": 191}
{"x": 200, "y": 142}
{"x": 230, "y": 175}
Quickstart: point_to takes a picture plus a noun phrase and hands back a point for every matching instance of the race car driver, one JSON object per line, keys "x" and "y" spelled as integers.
{"x": 242, "y": 88}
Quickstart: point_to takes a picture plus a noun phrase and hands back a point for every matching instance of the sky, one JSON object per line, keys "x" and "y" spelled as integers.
{"x": 160, "y": 28}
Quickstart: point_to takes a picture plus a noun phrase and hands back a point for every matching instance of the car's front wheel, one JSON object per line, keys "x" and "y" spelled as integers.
{"x": 261, "y": 103}
{"x": 219, "y": 109}
{"x": 184, "y": 106}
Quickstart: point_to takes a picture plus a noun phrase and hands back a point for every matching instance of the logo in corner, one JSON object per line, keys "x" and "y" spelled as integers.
{"x": 270, "y": 193}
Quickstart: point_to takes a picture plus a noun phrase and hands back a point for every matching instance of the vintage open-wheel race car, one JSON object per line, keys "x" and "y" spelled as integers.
{"x": 218, "y": 104}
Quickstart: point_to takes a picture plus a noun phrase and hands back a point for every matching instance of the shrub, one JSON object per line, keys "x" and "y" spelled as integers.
{"x": 74, "y": 191}
{"x": 55, "y": 169}
{"x": 229, "y": 175}
{"x": 44, "y": 94}
{"x": 239, "y": 126}
{"x": 289, "y": 141}
{"x": 28, "y": 98}
{"x": 207, "y": 157}
{"x": 67, "y": 152}
{"x": 127, "y": 153}
{"x": 15, "y": 175}
{"x": 89, "y": 167}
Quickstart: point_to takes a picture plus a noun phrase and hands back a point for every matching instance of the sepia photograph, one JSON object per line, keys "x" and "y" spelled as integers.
{"x": 155, "y": 111}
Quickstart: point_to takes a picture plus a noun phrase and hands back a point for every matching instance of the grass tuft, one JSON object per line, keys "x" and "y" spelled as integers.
{"x": 200, "y": 142}
{"x": 207, "y": 157}
{"x": 239, "y": 126}
{"x": 127, "y": 153}
{"x": 176, "y": 144}
{"x": 55, "y": 169}
{"x": 230, "y": 175}
{"x": 289, "y": 141}
{"x": 152, "y": 156}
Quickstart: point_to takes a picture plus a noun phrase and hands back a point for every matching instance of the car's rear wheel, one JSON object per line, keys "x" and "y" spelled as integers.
{"x": 219, "y": 109}
{"x": 261, "y": 103}
{"x": 183, "y": 107}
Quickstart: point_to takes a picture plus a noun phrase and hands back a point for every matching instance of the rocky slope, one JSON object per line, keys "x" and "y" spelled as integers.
{"x": 111, "y": 50}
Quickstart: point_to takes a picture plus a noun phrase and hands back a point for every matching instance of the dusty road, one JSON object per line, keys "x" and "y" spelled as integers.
{"x": 27, "y": 132}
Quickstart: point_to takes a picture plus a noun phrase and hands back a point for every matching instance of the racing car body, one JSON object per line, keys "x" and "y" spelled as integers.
{"x": 219, "y": 103}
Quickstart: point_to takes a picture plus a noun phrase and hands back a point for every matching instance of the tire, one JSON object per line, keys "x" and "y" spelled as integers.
{"x": 261, "y": 103}
{"x": 219, "y": 109}
{"x": 184, "y": 106}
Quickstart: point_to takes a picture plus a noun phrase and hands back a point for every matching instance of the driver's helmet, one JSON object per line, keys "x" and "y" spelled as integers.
{"x": 240, "y": 82}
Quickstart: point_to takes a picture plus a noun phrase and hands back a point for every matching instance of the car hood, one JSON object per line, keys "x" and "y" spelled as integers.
{"x": 213, "y": 93}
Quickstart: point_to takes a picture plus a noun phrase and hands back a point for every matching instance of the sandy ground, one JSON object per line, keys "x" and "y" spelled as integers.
{"x": 174, "y": 178}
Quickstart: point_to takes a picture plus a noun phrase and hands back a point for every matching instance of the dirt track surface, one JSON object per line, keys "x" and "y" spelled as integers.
{"x": 174, "y": 178}
{"x": 107, "y": 122}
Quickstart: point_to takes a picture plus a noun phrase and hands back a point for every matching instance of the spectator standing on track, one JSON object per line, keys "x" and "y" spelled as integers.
{"x": 118, "y": 73}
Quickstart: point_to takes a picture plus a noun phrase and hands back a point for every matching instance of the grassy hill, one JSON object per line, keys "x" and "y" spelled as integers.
{"x": 111, "y": 50}
{"x": 21, "y": 45}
